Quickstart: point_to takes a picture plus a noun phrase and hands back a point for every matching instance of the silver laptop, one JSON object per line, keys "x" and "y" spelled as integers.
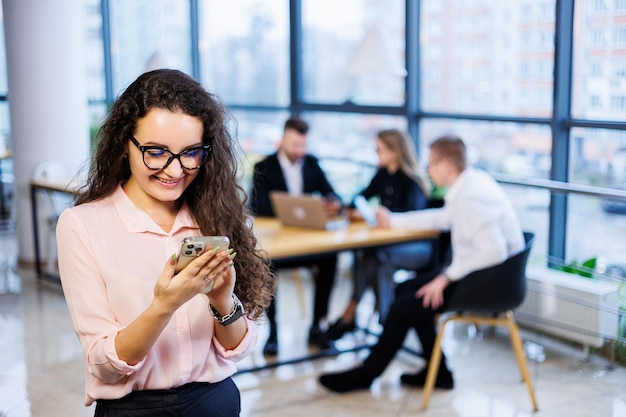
{"x": 304, "y": 211}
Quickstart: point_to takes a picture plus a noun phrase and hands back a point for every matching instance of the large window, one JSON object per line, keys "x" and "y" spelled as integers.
{"x": 353, "y": 50}
{"x": 596, "y": 226}
{"x": 4, "y": 109}
{"x": 148, "y": 34}
{"x": 495, "y": 59}
{"x": 599, "y": 68}
{"x": 94, "y": 51}
{"x": 244, "y": 50}
{"x": 521, "y": 150}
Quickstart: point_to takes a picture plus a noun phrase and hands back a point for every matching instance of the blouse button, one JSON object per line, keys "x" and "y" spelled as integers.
{"x": 388, "y": 190}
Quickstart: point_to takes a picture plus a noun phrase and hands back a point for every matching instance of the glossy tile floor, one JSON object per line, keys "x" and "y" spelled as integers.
{"x": 41, "y": 367}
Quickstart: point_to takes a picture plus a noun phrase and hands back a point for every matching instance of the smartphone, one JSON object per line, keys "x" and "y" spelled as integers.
{"x": 194, "y": 246}
{"x": 366, "y": 211}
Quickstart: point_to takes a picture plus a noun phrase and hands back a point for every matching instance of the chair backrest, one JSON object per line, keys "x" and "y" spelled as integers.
{"x": 495, "y": 289}
{"x": 62, "y": 171}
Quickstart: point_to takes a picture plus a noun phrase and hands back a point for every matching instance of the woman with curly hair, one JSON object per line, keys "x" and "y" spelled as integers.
{"x": 155, "y": 341}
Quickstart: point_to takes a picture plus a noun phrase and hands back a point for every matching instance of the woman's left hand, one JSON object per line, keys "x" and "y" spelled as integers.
{"x": 222, "y": 276}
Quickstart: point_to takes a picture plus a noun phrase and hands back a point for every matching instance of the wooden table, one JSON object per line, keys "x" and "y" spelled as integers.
{"x": 290, "y": 243}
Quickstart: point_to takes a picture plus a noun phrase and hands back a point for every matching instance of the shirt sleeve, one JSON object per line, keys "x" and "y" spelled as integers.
{"x": 85, "y": 291}
{"x": 245, "y": 347}
{"x": 428, "y": 219}
{"x": 478, "y": 240}
{"x": 313, "y": 171}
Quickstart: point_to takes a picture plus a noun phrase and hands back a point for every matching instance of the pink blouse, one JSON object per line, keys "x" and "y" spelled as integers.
{"x": 110, "y": 255}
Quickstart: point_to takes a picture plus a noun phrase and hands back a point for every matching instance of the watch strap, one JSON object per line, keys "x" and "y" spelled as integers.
{"x": 235, "y": 314}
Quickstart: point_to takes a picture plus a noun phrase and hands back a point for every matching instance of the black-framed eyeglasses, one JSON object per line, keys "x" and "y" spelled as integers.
{"x": 158, "y": 157}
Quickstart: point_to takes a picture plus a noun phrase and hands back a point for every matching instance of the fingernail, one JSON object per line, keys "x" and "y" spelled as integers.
{"x": 215, "y": 249}
{"x": 231, "y": 264}
{"x": 174, "y": 258}
{"x": 232, "y": 256}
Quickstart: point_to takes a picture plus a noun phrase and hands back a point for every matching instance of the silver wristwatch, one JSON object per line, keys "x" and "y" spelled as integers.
{"x": 234, "y": 315}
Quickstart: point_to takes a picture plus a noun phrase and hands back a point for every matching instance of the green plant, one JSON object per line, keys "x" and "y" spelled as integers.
{"x": 586, "y": 269}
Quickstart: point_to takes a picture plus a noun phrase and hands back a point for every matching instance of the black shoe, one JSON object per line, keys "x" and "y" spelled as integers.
{"x": 339, "y": 328}
{"x": 318, "y": 338}
{"x": 271, "y": 346}
{"x": 353, "y": 380}
{"x": 444, "y": 379}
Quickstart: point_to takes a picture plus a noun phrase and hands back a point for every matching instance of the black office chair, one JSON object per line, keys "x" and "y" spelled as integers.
{"x": 488, "y": 297}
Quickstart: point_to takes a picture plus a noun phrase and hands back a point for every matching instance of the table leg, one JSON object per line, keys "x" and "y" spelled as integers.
{"x": 4, "y": 214}
{"x": 33, "y": 204}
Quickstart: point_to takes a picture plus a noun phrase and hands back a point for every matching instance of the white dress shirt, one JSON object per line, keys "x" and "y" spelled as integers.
{"x": 292, "y": 173}
{"x": 484, "y": 227}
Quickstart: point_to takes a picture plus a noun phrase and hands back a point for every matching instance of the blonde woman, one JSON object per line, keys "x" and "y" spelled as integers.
{"x": 401, "y": 185}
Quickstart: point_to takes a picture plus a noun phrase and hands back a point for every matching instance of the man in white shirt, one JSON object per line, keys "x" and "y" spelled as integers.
{"x": 485, "y": 232}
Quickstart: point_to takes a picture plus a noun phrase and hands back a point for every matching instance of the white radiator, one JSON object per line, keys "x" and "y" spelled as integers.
{"x": 576, "y": 308}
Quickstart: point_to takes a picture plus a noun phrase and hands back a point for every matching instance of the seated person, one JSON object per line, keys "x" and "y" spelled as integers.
{"x": 484, "y": 231}
{"x": 291, "y": 169}
{"x": 401, "y": 185}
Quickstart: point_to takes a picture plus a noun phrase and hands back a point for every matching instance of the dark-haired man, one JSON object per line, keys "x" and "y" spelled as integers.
{"x": 293, "y": 170}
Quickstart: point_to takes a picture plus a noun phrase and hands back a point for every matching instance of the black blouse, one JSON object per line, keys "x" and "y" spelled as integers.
{"x": 397, "y": 191}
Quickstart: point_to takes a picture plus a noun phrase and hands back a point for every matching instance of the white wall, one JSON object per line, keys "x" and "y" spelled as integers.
{"x": 47, "y": 93}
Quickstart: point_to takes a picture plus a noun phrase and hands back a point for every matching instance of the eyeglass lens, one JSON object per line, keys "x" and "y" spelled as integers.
{"x": 189, "y": 159}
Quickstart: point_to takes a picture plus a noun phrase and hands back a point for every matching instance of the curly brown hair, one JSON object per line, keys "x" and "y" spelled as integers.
{"x": 215, "y": 198}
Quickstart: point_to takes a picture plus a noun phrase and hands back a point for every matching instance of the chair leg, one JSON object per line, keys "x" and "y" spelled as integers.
{"x": 433, "y": 365}
{"x": 516, "y": 342}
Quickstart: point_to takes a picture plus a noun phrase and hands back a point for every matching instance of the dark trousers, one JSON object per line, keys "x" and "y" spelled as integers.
{"x": 406, "y": 312}
{"x": 324, "y": 269}
{"x": 221, "y": 399}
{"x": 375, "y": 268}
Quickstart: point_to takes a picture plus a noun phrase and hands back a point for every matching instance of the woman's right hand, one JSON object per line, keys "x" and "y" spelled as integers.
{"x": 173, "y": 290}
{"x": 383, "y": 217}
{"x": 354, "y": 215}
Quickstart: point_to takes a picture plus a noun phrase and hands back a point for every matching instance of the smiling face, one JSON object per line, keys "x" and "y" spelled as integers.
{"x": 174, "y": 131}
